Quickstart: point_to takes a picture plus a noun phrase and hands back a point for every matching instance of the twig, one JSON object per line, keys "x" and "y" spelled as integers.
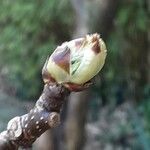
{"x": 24, "y": 130}
{"x": 69, "y": 66}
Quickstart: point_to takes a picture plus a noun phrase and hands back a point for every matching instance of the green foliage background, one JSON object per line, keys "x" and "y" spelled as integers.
{"x": 30, "y": 30}
{"x": 127, "y": 64}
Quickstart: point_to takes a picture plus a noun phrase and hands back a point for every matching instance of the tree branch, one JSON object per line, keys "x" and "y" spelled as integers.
{"x": 60, "y": 67}
{"x": 24, "y": 130}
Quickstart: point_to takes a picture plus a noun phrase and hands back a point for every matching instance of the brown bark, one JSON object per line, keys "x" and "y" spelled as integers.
{"x": 44, "y": 142}
{"x": 78, "y": 102}
{"x": 76, "y": 119}
{"x": 77, "y": 107}
{"x": 103, "y": 20}
{"x": 24, "y": 130}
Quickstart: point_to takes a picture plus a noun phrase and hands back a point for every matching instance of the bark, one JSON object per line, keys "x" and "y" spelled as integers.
{"x": 103, "y": 20}
{"x": 76, "y": 119}
{"x": 45, "y": 141}
{"x": 78, "y": 102}
{"x": 24, "y": 130}
{"x": 81, "y": 16}
{"x": 77, "y": 107}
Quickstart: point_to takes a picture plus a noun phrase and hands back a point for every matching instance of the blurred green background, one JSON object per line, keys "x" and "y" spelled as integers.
{"x": 118, "y": 112}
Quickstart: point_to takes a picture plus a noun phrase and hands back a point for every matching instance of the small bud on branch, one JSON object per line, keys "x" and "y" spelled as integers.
{"x": 76, "y": 62}
{"x": 70, "y": 68}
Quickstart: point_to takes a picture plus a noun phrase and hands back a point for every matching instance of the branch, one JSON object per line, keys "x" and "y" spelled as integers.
{"x": 67, "y": 69}
{"x": 24, "y": 130}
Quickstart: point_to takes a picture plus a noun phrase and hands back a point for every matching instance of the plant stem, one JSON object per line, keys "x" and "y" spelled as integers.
{"x": 24, "y": 130}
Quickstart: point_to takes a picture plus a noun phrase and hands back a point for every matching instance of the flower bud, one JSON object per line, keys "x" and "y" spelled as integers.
{"x": 76, "y": 62}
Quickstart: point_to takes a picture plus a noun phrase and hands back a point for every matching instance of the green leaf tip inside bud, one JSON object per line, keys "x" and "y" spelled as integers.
{"x": 76, "y": 62}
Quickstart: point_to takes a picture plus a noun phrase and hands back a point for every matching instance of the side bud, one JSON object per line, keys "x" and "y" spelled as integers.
{"x": 76, "y": 62}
